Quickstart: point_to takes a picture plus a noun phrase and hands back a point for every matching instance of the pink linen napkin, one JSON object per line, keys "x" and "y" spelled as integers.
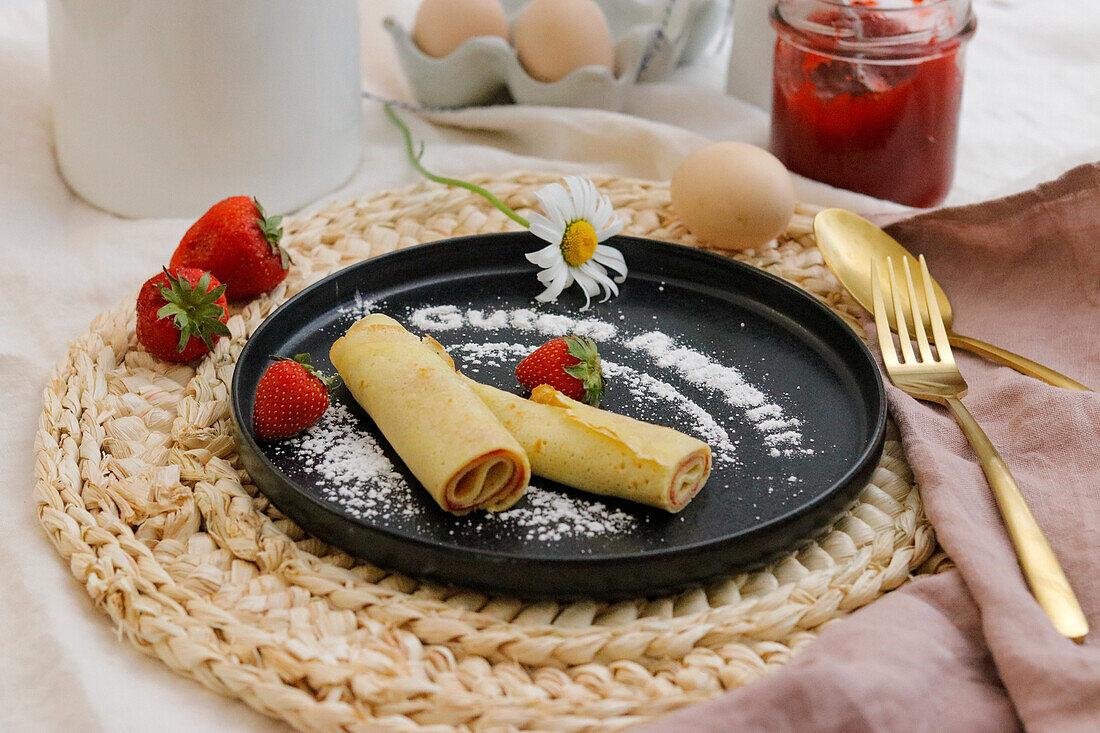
{"x": 970, "y": 649}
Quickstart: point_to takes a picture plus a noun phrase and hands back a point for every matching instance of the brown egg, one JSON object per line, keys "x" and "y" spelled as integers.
{"x": 733, "y": 195}
{"x": 443, "y": 25}
{"x": 554, "y": 37}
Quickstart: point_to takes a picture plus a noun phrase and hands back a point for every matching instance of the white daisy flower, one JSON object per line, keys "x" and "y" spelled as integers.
{"x": 577, "y": 219}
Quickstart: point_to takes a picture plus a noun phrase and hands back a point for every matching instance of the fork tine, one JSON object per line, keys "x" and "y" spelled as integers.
{"x": 939, "y": 333}
{"x": 882, "y": 320}
{"x": 918, "y": 317}
{"x": 899, "y": 316}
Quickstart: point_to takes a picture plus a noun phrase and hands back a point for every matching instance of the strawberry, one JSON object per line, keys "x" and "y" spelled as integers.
{"x": 290, "y": 397}
{"x": 239, "y": 244}
{"x": 570, "y": 365}
{"x": 180, "y": 314}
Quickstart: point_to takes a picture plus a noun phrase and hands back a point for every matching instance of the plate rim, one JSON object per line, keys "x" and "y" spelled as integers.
{"x": 869, "y": 453}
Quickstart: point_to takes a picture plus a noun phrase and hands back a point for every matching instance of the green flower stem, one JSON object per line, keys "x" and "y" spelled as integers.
{"x": 414, "y": 158}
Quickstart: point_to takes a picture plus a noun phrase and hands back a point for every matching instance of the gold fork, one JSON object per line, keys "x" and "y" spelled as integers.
{"x": 939, "y": 380}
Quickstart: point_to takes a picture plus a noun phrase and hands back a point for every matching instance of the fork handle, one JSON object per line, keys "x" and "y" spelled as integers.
{"x": 1019, "y": 363}
{"x": 1044, "y": 574}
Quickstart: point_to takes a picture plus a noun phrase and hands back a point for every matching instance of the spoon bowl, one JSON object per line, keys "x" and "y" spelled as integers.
{"x": 849, "y": 244}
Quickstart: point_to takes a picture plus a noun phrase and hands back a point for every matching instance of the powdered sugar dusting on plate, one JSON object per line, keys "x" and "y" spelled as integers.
{"x": 779, "y": 432}
{"x": 644, "y": 387}
{"x": 358, "y": 307}
{"x": 357, "y": 474}
{"x": 489, "y": 353}
{"x": 451, "y": 317}
{"x": 647, "y": 391}
{"x": 701, "y": 370}
{"x": 437, "y": 318}
{"x": 548, "y": 516}
{"x": 364, "y": 482}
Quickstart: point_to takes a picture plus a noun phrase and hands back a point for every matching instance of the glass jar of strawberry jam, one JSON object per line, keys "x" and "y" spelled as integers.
{"x": 866, "y": 94}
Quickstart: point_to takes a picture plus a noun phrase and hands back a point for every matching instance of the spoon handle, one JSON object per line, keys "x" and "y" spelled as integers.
{"x": 1017, "y": 362}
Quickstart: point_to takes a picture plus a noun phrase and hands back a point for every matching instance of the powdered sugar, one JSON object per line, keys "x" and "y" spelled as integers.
{"x": 490, "y": 353}
{"x": 759, "y": 413}
{"x": 450, "y": 317}
{"x": 494, "y": 321}
{"x": 549, "y": 516}
{"x": 437, "y": 318}
{"x": 701, "y": 370}
{"x": 779, "y": 432}
{"x": 644, "y": 387}
{"x": 554, "y": 325}
{"x": 358, "y": 307}
{"x": 652, "y": 376}
{"x": 358, "y": 476}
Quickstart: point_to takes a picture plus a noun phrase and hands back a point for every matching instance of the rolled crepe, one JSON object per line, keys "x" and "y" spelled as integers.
{"x": 601, "y": 452}
{"x": 444, "y": 433}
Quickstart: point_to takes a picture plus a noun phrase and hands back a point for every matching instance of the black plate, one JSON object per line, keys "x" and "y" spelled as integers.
{"x": 765, "y": 495}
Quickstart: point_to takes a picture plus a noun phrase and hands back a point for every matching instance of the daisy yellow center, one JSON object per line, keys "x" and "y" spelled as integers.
{"x": 578, "y": 244}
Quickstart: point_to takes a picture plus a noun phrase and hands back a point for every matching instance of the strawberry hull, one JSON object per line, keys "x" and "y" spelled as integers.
{"x": 239, "y": 245}
{"x": 177, "y": 301}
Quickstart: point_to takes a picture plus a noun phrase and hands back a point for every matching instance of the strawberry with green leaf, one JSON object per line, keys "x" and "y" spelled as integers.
{"x": 181, "y": 313}
{"x": 239, "y": 244}
{"x": 291, "y": 396}
{"x": 570, "y": 365}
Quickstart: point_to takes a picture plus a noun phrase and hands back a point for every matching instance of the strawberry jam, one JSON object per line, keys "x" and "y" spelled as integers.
{"x": 866, "y": 95}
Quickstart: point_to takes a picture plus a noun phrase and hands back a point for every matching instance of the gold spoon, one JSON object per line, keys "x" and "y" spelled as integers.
{"x": 850, "y": 243}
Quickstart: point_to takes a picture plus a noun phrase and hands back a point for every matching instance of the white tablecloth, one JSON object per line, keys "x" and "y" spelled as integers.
{"x": 1031, "y": 109}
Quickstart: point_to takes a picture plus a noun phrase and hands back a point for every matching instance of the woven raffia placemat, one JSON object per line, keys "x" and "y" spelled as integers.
{"x": 139, "y": 487}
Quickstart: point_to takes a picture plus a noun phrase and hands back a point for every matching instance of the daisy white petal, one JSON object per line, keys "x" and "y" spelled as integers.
{"x": 610, "y": 230}
{"x": 589, "y": 197}
{"x": 548, "y": 275}
{"x": 554, "y": 288}
{"x": 535, "y": 216}
{"x": 593, "y": 198}
{"x": 555, "y": 201}
{"x": 604, "y": 215}
{"x": 545, "y": 196}
{"x": 605, "y": 221}
{"x": 547, "y": 219}
{"x": 589, "y": 287}
{"x": 599, "y": 274}
{"x": 612, "y": 259}
{"x": 546, "y": 231}
{"x": 577, "y": 194}
{"x": 548, "y": 256}
{"x": 588, "y": 283}
{"x": 563, "y": 201}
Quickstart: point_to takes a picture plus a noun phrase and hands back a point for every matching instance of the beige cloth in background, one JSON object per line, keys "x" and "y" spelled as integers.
{"x": 1023, "y": 273}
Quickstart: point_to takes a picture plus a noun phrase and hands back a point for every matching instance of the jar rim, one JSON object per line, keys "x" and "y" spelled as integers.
{"x": 876, "y": 7}
{"x": 926, "y": 40}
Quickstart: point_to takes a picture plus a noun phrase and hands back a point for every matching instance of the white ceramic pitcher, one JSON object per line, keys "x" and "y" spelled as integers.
{"x": 164, "y": 107}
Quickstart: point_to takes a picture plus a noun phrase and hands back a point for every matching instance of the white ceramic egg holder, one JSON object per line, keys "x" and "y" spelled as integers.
{"x": 651, "y": 38}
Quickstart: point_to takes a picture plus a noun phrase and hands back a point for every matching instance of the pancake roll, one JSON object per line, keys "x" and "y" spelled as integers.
{"x": 446, "y": 435}
{"x": 599, "y": 451}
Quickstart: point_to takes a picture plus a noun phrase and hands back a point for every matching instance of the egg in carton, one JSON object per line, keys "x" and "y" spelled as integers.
{"x": 651, "y": 38}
